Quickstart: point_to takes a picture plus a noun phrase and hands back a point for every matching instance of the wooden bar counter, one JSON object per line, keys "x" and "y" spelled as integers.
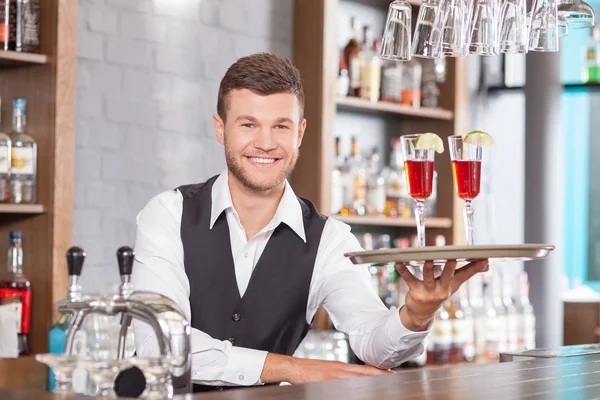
{"x": 564, "y": 378}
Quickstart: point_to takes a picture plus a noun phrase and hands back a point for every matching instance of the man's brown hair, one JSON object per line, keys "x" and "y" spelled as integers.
{"x": 264, "y": 74}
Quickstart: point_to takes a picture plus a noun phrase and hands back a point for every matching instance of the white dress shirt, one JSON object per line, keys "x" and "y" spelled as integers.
{"x": 375, "y": 333}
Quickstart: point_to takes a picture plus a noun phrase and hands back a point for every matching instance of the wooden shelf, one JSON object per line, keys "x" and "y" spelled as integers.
{"x": 391, "y": 221}
{"x": 384, "y": 3}
{"x": 23, "y": 372}
{"x": 22, "y": 209}
{"x": 353, "y": 103}
{"x": 10, "y": 59}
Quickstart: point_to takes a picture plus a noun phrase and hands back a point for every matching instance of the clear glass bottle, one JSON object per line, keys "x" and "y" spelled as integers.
{"x": 376, "y": 188}
{"x": 23, "y": 179}
{"x": 370, "y": 68}
{"x": 501, "y": 313}
{"x": 512, "y": 318}
{"x": 461, "y": 315}
{"x": 5, "y": 157}
{"x": 358, "y": 176}
{"x": 480, "y": 316}
{"x": 526, "y": 315}
{"x": 337, "y": 179}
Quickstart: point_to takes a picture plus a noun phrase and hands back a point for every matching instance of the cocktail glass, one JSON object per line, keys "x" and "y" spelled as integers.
{"x": 418, "y": 166}
{"x": 466, "y": 169}
{"x": 156, "y": 371}
{"x": 103, "y": 373}
{"x": 62, "y": 366}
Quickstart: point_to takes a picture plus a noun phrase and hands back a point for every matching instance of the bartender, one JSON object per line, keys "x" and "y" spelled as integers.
{"x": 250, "y": 263}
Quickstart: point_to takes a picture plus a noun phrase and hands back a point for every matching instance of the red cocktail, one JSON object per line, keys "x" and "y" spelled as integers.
{"x": 419, "y": 178}
{"x": 467, "y": 176}
{"x": 418, "y": 152}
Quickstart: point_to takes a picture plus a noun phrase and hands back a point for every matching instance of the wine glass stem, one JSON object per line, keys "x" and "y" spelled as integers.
{"x": 420, "y": 217}
{"x": 63, "y": 384}
{"x": 468, "y": 214}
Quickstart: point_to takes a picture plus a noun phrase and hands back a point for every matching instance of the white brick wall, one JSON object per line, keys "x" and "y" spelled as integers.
{"x": 148, "y": 74}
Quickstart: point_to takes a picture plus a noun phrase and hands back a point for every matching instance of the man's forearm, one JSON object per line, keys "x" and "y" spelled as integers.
{"x": 277, "y": 368}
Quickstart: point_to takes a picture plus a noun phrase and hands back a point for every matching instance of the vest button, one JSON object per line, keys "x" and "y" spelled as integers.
{"x": 232, "y": 340}
{"x": 237, "y": 317}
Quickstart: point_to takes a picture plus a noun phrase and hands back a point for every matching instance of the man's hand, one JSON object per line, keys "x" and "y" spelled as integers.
{"x": 280, "y": 368}
{"x": 425, "y": 297}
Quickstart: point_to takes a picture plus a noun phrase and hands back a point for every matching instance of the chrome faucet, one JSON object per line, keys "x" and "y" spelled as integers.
{"x": 168, "y": 321}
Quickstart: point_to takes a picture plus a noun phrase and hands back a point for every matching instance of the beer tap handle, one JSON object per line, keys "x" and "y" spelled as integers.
{"x": 125, "y": 257}
{"x": 75, "y": 259}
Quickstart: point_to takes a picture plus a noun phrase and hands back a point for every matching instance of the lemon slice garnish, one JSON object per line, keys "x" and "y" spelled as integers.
{"x": 430, "y": 141}
{"x": 479, "y": 138}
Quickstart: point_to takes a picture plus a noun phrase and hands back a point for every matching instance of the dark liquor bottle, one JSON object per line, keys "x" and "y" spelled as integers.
{"x": 28, "y": 26}
{"x": 16, "y": 288}
{"x": 8, "y": 24}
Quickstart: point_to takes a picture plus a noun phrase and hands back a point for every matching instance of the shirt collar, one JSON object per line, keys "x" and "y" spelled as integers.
{"x": 289, "y": 210}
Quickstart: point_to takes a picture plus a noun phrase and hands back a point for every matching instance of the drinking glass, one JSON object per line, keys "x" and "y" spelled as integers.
{"x": 453, "y": 26}
{"x": 63, "y": 366}
{"x": 395, "y": 44}
{"x": 513, "y": 27}
{"x": 482, "y": 31}
{"x": 418, "y": 166}
{"x": 577, "y": 13}
{"x": 466, "y": 169}
{"x": 563, "y": 27}
{"x": 426, "y": 41}
{"x": 543, "y": 29}
{"x": 103, "y": 373}
{"x": 156, "y": 371}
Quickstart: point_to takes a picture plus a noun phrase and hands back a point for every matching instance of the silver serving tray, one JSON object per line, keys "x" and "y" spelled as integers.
{"x": 440, "y": 254}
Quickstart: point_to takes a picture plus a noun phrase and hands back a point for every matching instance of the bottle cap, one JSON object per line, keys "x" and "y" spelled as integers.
{"x": 15, "y": 235}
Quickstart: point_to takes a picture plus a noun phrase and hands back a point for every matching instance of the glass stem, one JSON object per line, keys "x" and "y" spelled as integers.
{"x": 63, "y": 383}
{"x": 420, "y": 217}
{"x": 468, "y": 214}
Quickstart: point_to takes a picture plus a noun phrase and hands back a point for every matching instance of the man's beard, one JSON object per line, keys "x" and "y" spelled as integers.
{"x": 244, "y": 177}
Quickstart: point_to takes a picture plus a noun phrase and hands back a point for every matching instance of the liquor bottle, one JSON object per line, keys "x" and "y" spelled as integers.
{"x": 8, "y": 24}
{"x": 461, "y": 315}
{"x": 397, "y": 204}
{"x": 492, "y": 329}
{"x": 16, "y": 288}
{"x": 28, "y": 26}
{"x": 526, "y": 315}
{"x": 475, "y": 286}
{"x": 57, "y": 336}
{"x": 5, "y": 151}
{"x": 352, "y": 59}
{"x": 411, "y": 84}
{"x": 512, "y": 318}
{"x": 358, "y": 177}
{"x": 23, "y": 179}
{"x": 343, "y": 80}
{"x": 370, "y": 68}
{"x": 337, "y": 179}
{"x": 376, "y": 188}
{"x": 501, "y": 312}
{"x": 591, "y": 67}
{"x": 439, "y": 352}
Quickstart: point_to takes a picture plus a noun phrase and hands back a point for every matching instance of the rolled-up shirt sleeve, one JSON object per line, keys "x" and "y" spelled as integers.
{"x": 159, "y": 268}
{"x": 375, "y": 332}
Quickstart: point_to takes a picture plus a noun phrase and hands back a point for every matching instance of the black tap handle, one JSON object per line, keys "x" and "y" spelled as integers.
{"x": 75, "y": 259}
{"x": 125, "y": 257}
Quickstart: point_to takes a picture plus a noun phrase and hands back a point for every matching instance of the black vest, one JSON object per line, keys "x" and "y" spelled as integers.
{"x": 271, "y": 316}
